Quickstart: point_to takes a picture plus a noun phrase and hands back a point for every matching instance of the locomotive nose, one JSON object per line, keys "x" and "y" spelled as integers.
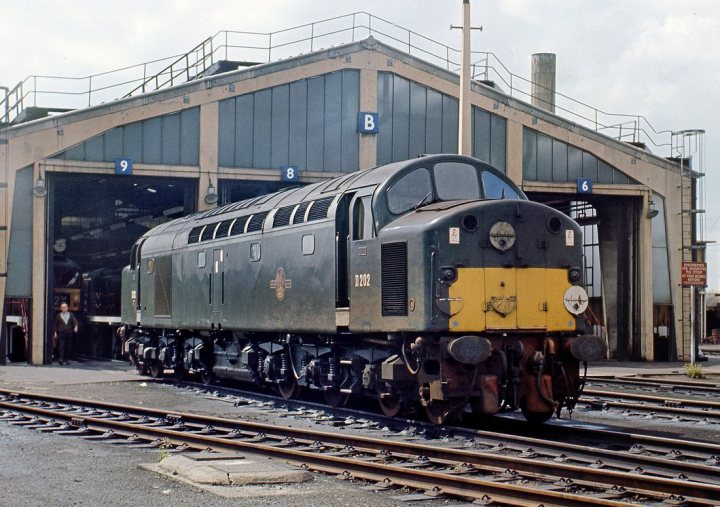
{"x": 470, "y": 349}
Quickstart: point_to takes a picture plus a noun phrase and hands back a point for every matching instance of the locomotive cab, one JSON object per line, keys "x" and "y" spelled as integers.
{"x": 481, "y": 288}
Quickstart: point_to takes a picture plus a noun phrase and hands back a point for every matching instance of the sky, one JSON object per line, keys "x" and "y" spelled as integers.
{"x": 659, "y": 59}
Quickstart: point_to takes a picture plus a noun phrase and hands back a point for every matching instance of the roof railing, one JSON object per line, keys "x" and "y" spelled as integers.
{"x": 57, "y": 93}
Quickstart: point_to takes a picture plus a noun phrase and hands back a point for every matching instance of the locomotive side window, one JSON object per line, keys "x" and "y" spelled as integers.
{"x": 308, "y": 244}
{"x": 201, "y": 260}
{"x": 151, "y": 266}
{"x": 410, "y": 191}
{"x": 362, "y": 219}
{"x": 254, "y": 252}
{"x": 496, "y": 188}
{"x": 456, "y": 181}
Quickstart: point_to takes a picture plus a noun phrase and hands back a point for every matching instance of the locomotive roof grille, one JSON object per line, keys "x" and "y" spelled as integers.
{"x": 195, "y": 233}
{"x": 239, "y": 225}
{"x": 319, "y": 209}
{"x": 282, "y": 217}
{"x": 300, "y": 213}
{"x": 256, "y": 222}
{"x": 209, "y": 231}
{"x": 222, "y": 230}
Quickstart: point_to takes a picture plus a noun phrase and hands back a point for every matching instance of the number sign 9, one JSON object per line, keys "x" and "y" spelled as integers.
{"x": 123, "y": 166}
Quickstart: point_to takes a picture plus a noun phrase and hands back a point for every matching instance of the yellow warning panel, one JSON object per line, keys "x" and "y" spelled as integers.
{"x": 467, "y": 300}
{"x": 532, "y": 298}
{"x": 509, "y": 299}
{"x": 501, "y": 298}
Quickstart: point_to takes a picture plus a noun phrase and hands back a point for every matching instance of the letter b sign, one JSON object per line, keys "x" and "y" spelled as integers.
{"x": 368, "y": 123}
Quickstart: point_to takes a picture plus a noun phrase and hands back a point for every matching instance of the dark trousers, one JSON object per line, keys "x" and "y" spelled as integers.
{"x": 63, "y": 345}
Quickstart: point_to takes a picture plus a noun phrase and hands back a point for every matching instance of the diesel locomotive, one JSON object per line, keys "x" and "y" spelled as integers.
{"x": 430, "y": 283}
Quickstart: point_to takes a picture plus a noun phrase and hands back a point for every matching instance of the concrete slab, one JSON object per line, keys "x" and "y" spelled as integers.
{"x": 229, "y": 474}
{"x": 278, "y": 493}
{"x": 232, "y": 469}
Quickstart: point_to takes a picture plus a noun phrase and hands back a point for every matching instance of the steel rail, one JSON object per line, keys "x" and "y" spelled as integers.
{"x": 668, "y": 465}
{"x": 649, "y": 381}
{"x": 656, "y": 399}
{"x": 581, "y": 433}
{"x": 448, "y": 482}
{"x": 403, "y": 449}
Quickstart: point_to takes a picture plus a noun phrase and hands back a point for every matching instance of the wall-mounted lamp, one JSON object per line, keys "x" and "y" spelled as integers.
{"x": 39, "y": 188}
{"x": 652, "y": 211}
{"x": 211, "y": 196}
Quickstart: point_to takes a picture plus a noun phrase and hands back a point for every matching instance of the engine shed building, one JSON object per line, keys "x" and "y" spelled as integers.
{"x": 78, "y": 188}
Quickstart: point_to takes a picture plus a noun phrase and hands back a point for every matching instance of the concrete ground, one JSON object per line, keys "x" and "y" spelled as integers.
{"x": 40, "y": 469}
{"x": 629, "y": 368}
{"x": 44, "y": 469}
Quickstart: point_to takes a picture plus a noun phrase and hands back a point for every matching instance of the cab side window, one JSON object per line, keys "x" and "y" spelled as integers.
{"x": 495, "y": 188}
{"x": 410, "y": 191}
{"x": 362, "y": 219}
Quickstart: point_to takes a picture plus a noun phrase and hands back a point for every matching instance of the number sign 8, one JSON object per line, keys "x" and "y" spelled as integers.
{"x": 290, "y": 173}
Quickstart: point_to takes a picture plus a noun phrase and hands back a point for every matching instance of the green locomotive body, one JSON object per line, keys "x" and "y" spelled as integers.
{"x": 432, "y": 281}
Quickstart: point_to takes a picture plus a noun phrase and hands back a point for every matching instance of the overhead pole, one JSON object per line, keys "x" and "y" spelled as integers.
{"x": 465, "y": 112}
{"x": 465, "y": 116}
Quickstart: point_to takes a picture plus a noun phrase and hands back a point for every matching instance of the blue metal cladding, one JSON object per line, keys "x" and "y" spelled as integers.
{"x": 315, "y": 122}
{"x": 170, "y": 132}
{"x": 297, "y": 143}
{"x": 350, "y": 96}
{"x": 332, "y": 120}
{"x": 489, "y": 138}
{"x": 498, "y": 141}
{"x": 433, "y": 122}
{"x": 280, "y": 131}
{"x": 172, "y": 139}
{"x": 450, "y": 125}
{"x": 262, "y": 122}
{"x": 418, "y": 114}
{"x": 547, "y": 159}
{"x": 19, "y": 263}
{"x": 244, "y": 132}
{"x": 414, "y": 119}
{"x": 152, "y": 152}
{"x": 310, "y": 124}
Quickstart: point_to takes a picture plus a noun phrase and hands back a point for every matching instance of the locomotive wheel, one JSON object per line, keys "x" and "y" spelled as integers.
{"x": 179, "y": 373}
{"x": 535, "y": 417}
{"x": 207, "y": 377}
{"x": 438, "y": 412}
{"x": 156, "y": 368}
{"x": 139, "y": 367}
{"x": 289, "y": 389}
{"x": 390, "y": 405}
{"x": 335, "y": 398}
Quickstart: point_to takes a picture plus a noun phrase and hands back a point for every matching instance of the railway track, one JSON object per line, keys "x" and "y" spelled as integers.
{"x": 480, "y": 468}
{"x": 660, "y": 385}
{"x": 691, "y": 401}
{"x": 494, "y": 431}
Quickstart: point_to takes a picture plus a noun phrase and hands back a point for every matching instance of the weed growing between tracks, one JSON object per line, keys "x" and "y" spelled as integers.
{"x": 694, "y": 371}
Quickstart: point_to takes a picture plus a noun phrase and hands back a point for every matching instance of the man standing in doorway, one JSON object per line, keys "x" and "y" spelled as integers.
{"x": 65, "y": 325}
